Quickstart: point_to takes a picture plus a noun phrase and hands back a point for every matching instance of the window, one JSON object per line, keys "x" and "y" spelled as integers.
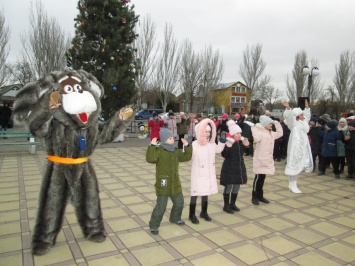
{"x": 238, "y": 99}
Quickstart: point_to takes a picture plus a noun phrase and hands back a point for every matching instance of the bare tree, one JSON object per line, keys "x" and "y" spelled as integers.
{"x": 191, "y": 71}
{"x": 213, "y": 68}
{"x": 146, "y": 53}
{"x": 344, "y": 80}
{"x": 299, "y": 85}
{"x": 45, "y": 44}
{"x": 167, "y": 67}
{"x": 271, "y": 95}
{"x": 4, "y": 49}
{"x": 252, "y": 70}
{"x": 21, "y": 72}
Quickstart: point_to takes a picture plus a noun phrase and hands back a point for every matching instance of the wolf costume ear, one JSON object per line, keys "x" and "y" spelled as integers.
{"x": 93, "y": 83}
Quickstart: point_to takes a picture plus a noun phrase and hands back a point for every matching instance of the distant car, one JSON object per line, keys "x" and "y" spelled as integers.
{"x": 147, "y": 113}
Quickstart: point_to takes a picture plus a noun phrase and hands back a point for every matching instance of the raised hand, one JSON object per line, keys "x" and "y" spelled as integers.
{"x": 154, "y": 141}
{"x": 125, "y": 113}
{"x": 54, "y": 101}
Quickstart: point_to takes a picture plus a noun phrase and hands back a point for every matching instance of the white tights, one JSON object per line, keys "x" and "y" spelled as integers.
{"x": 292, "y": 178}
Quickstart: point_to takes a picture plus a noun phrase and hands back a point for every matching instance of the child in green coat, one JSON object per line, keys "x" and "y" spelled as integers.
{"x": 167, "y": 158}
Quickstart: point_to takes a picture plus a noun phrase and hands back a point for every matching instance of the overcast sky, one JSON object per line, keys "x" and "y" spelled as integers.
{"x": 323, "y": 28}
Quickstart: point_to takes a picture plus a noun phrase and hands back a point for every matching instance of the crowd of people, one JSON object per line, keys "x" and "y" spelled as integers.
{"x": 298, "y": 137}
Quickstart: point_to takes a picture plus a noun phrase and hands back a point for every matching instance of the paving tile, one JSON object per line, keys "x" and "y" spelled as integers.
{"x": 277, "y": 224}
{"x": 11, "y": 260}
{"x": 187, "y": 250}
{"x": 340, "y": 251}
{"x": 328, "y": 229}
{"x": 89, "y": 248}
{"x": 251, "y": 230}
{"x": 122, "y": 224}
{"x": 214, "y": 259}
{"x": 57, "y": 254}
{"x": 314, "y": 259}
{"x": 305, "y": 236}
{"x": 10, "y": 228}
{"x": 135, "y": 238}
{"x": 10, "y": 244}
{"x": 222, "y": 237}
{"x": 279, "y": 245}
{"x": 157, "y": 255}
{"x": 250, "y": 254}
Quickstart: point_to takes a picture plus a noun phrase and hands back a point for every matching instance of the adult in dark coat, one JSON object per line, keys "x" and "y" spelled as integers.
{"x": 316, "y": 142}
{"x": 5, "y": 115}
{"x": 330, "y": 135}
{"x": 284, "y": 140}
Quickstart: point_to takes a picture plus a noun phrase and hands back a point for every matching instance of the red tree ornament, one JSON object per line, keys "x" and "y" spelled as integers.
{"x": 82, "y": 24}
{"x": 123, "y": 20}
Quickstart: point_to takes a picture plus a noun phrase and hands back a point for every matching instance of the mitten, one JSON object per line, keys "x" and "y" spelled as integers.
{"x": 222, "y": 138}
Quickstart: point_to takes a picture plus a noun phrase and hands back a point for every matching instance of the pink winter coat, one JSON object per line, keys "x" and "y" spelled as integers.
{"x": 263, "y": 160}
{"x": 203, "y": 170}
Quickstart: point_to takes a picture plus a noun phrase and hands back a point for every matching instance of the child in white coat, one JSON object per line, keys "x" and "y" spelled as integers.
{"x": 203, "y": 170}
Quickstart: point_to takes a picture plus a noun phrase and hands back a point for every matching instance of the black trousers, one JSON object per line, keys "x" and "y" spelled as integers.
{"x": 350, "y": 159}
{"x": 258, "y": 183}
{"x": 335, "y": 163}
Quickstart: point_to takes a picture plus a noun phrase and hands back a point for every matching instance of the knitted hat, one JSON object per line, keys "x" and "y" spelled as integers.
{"x": 351, "y": 123}
{"x": 332, "y": 123}
{"x": 154, "y": 114}
{"x": 313, "y": 119}
{"x": 233, "y": 127}
{"x": 237, "y": 116}
{"x": 225, "y": 116}
{"x": 297, "y": 111}
{"x": 265, "y": 120}
{"x": 171, "y": 113}
{"x": 182, "y": 114}
{"x": 342, "y": 120}
{"x": 165, "y": 134}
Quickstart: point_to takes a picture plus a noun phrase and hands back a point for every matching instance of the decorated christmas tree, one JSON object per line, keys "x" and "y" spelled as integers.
{"x": 102, "y": 45}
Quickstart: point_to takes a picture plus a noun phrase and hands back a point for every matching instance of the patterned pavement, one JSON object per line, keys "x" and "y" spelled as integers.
{"x": 314, "y": 228}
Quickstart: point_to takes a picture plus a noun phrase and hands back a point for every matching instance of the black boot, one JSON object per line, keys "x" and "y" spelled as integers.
{"x": 261, "y": 197}
{"x": 192, "y": 216}
{"x": 254, "y": 198}
{"x": 227, "y": 208}
{"x": 204, "y": 213}
{"x": 232, "y": 203}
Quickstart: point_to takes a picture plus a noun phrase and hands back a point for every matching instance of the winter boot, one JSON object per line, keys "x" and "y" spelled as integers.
{"x": 227, "y": 208}
{"x": 261, "y": 197}
{"x": 232, "y": 203}
{"x": 204, "y": 213}
{"x": 192, "y": 216}
{"x": 254, "y": 198}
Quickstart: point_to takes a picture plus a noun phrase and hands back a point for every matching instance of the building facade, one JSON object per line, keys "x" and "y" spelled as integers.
{"x": 231, "y": 98}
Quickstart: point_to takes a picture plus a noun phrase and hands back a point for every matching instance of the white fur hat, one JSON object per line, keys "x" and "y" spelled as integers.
{"x": 265, "y": 120}
{"x": 233, "y": 127}
{"x": 297, "y": 111}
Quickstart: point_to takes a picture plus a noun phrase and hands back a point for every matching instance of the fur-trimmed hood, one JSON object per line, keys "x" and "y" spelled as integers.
{"x": 200, "y": 129}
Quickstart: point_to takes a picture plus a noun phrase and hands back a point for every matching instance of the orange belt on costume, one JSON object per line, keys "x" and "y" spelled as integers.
{"x": 63, "y": 160}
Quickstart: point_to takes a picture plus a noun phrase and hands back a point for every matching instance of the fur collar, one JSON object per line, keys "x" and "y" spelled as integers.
{"x": 201, "y": 131}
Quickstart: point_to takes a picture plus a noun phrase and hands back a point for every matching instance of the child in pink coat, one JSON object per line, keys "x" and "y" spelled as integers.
{"x": 263, "y": 160}
{"x": 203, "y": 170}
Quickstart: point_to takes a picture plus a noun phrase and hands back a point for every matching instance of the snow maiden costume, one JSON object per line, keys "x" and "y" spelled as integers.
{"x": 299, "y": 154}
{"x": 63, "y": 109}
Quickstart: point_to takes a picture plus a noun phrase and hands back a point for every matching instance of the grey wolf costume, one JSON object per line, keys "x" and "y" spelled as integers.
{"x": 63, "y": 109}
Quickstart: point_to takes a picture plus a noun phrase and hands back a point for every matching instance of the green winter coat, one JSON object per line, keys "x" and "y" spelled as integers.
{"x": 167, "y": 168}
{"x": 182, "y": 127}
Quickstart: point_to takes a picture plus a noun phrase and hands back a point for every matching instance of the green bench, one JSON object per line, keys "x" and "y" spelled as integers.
{"x": 18, "y": 137}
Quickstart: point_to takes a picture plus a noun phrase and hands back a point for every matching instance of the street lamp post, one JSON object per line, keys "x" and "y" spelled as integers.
{"x": 310, "y": 73}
